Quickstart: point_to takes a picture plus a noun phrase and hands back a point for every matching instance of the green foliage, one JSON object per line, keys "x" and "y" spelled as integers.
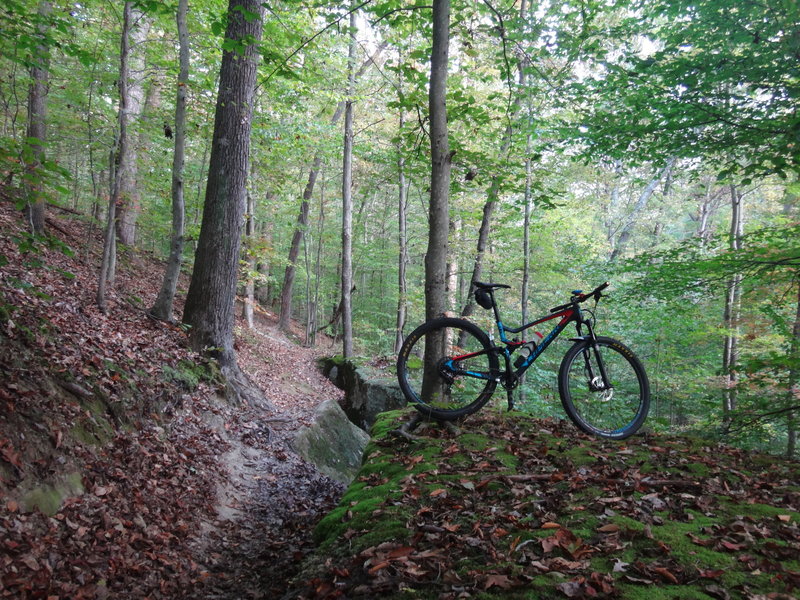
{"x": 696, "y": 79}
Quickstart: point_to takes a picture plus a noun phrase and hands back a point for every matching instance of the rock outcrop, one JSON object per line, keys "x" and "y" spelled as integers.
{"x": 368, "y": 391}
{"x": 333, "y": 443}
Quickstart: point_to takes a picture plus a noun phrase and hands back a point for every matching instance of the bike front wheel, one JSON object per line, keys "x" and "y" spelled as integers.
{"x": 615, "y": 409}
{"x": 447, "y": 368}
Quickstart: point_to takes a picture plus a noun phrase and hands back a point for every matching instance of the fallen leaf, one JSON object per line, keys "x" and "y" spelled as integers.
{"x": 400, "y": 552}
{"x": 665, "y": 573}
{"x": 378, "y": 567}
{"x": 501, "y": 581}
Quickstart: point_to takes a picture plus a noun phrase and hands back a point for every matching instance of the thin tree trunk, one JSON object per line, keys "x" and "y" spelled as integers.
{"x": 162, "y": 309}
{"x": 118, "y": 160}
{"x": 212, "y": 291}
{"x": 402, "y": 239}
{"x": 347, "y": 198}
{"x": 794, "y": 382}
{"x": 313, "y": 321}
{"x": 302, "y": 220}
{"x": 452, "y": 268}
{"x": 128, "y": 203}
{"x": 37, "y": 124}
{"x": 250, "y": 286}
{"x": 626, "y": 231}
{"x": 439, "y": 212}
{"x": 731, "y": 316}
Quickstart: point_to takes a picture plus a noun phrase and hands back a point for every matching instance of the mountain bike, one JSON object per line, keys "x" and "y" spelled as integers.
{"x": 449, "y": 367}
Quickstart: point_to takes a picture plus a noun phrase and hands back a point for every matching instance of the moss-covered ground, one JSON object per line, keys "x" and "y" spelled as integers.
{"x": 518, "y": 508}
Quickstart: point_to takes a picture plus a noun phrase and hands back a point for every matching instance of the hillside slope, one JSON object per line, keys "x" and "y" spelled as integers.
{"x": 124, "y": 471}
{"x": 514, "y": 507}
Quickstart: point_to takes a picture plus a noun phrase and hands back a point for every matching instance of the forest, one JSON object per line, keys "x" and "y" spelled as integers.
{"x": 295, "y": 155}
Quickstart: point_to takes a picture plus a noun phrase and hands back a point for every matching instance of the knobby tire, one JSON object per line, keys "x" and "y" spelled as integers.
{"x": 617, "y": 413}
{"x": 434, "y": 390}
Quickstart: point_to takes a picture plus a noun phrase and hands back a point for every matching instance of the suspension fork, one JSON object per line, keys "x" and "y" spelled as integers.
{"x": 605, "y": 383}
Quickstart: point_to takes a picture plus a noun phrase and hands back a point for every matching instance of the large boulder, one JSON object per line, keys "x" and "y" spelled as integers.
{"x": 368, "y": 391}
{"x": 332, "y": 443}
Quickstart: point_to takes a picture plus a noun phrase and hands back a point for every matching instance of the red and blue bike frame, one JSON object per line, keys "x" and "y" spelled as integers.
{"x": 568, "y": 313}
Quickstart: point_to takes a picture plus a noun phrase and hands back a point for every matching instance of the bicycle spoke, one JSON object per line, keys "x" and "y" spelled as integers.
{"x": 445, "y": 368}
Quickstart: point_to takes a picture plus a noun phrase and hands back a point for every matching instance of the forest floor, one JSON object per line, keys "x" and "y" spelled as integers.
{"x": 126, "y": 473}
{"x": 147, "y": 483}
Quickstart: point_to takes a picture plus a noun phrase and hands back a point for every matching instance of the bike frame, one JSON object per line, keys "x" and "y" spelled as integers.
{"x": 509, "y": 379}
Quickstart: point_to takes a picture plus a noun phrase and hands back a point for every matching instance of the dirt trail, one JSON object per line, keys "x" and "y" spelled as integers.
{"x": 272, "y": 498}
{"x": 174, "y": 492}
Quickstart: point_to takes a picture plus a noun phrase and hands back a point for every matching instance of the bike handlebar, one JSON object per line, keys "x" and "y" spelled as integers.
{"x": 578, "y": 297}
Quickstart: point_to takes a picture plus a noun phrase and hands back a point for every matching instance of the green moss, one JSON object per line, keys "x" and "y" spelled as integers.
{"x": 49, "y": 497}
{"x": 360, "y": 517}
{"x": 756, "y": 511}
{"x": 699, "y": 469}
{"x": 388, "y": 421}
{"x": 654, "y": 592}
{"x": 95, "y": 429}
{"x": 397, "y": 480}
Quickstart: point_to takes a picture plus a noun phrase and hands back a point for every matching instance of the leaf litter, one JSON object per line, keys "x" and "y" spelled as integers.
{"x": 560, "y": 515}
{"x": 179, "y": 493}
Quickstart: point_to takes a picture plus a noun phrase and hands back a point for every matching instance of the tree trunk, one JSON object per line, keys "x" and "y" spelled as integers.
{"x": 212, "y": 291}
{"x": 128, "y": 203}
{"x": 730, "y": 351}
{"x": 313, "y": 312}
{"x": 250, "y": 285}
{"x": 626, "y": 230}
{"x": 402, "y": 239}
{"x": 302, "y": 219}
{"x": 438, "y": 212}
{"x": 347, "y": 198}
{"x": 794, "y": 383}
{"x": 118, "y": 159}
{"x": 37, "y": 124}
{"x": 451, "y": 285}
{"x": 705, "y": 212}
{"x": 162, "y": 309}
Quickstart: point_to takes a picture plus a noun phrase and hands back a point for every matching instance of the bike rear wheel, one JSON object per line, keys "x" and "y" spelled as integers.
{"x": 614, "y": 412}
{"x": 447, "y": 368}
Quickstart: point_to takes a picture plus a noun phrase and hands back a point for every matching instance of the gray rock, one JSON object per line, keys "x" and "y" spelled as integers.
{"x": 368, "y": 391}
{"x": 332, "y": 443}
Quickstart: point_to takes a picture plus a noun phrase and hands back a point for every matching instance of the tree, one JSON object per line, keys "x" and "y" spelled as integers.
{"x": 37, "y": 124}
{"x": 128, "y": 194}
{"x": 402, "y": 242}
{"x": 302, "y": 219}
{"x": 162, "y": 309}
{"x": 711, "y": 82}
{"x": 438, "y": 209}
{"x": 210, "y": 300}
{"x": 733, "y": 308}
{"x": 621, "y": 235}
{"x": 119, "y": 160}
{"x": 250, "y": 264}
{"x": 347, "y": 198}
